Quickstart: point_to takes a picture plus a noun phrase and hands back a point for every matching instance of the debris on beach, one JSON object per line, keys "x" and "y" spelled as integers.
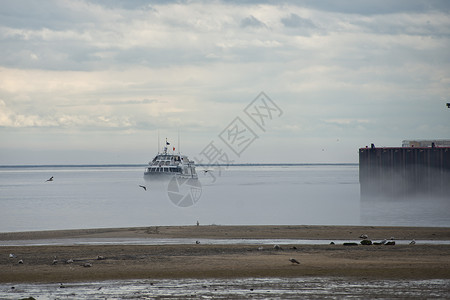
{"x": 350, "y": 244}
{"x": 277, "y": 247}
{"x": 87, "y": 265}
{"x": 294, "y": 261}
{"x": 366, "y": 242}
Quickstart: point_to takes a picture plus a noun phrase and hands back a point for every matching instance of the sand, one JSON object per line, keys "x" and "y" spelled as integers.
{"x": 227, "y": 261}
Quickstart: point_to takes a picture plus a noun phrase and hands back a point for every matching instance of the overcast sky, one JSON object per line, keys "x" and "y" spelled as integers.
{"x": 89, "y": 82}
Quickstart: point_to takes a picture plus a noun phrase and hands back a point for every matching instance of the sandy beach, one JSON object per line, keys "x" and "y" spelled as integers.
{"x": 419, "y": 261}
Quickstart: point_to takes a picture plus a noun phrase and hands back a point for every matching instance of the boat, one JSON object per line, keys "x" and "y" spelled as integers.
{"x": 169, "y": 165}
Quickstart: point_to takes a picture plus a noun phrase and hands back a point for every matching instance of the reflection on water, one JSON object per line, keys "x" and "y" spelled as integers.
{"x": 190, "y": 241}
{"x": 410, "y": 211}
{"x": 255, "y": 288}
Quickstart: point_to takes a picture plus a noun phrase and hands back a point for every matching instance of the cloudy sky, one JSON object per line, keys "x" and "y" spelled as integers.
{"x": 89, "y": 82}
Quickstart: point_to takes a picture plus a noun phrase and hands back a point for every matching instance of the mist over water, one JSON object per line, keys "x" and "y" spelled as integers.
{"x": 110, "y": 196}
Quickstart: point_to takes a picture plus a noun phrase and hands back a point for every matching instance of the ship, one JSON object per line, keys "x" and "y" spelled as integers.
{"x": 167, "y": 165}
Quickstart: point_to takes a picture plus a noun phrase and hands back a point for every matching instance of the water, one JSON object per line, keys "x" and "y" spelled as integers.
{"x": 110, "y": 196}
{"x": 248, "y": 288}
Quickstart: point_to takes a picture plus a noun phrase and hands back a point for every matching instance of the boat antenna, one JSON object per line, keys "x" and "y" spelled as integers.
{"x": 158, "y": 142}
{"x": 178, "y": 140}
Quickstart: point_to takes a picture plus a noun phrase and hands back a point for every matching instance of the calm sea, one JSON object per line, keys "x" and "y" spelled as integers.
{"x": 111, "y": 196}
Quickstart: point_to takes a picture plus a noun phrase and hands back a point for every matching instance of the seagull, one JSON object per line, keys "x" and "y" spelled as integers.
{"x": 12, "y": 255}
{"x": 69, "y": 261}
{"x": 413, "y": 242}
{"x": 144, "y": 187}
{"x": 294, "y": 261}
{"x": 363, "y": 236}
{"x": 50, "y": 179}
{"x": 20, "y": 262}
{"x": 55, "y": 261}
{"x": 197, "y": 242}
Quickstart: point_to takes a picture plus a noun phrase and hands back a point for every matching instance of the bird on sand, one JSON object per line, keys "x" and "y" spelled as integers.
{"x": 144, "y": 187}
{"x": 363, "y": 236}
{"x": 413, "y": 242}
{"x": 50, "y": 179}
{"x": 294, "y": 261}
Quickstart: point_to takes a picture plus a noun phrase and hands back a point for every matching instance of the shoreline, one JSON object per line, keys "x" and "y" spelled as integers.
{"x": 312, "y": 232}
{"x": 420, "y": 261}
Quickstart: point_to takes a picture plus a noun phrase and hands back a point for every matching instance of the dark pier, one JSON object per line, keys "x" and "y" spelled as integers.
{"x": 404, "y": 171}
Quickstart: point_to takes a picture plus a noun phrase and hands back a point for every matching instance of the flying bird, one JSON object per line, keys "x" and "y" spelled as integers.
{"x": 294, "y": 261}
{"x": 144, "y": 187}
{"x": 50, "y": 179}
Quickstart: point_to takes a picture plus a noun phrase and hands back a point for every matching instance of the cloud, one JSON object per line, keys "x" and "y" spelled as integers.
{"x": 295, "y": 21}
{"x": 379, "y": 7}
{"x": 251, "y": 21}
{"x": 131, "y": 102}
{"x": 12, "y": 119}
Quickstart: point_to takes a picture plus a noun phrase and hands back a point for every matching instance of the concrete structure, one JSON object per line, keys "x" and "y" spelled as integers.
{"x": 404, "y": 171}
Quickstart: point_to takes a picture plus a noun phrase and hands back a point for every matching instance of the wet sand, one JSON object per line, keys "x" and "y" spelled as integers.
{"x": 227, "y": 261}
